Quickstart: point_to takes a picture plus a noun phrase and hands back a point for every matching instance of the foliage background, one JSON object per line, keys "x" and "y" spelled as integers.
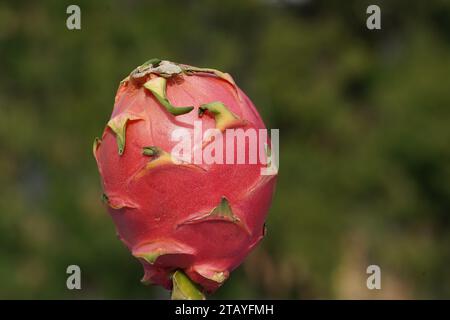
{"x": 365, "y": 141}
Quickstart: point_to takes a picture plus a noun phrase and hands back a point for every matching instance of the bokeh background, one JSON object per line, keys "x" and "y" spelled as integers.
{"x": 364, "y": 119}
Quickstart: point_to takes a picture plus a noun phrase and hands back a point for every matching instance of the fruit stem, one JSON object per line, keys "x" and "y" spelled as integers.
{"x": 184, "y": 288}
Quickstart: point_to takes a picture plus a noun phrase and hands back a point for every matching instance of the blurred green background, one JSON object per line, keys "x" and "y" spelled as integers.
{"x": 364, "y": 119}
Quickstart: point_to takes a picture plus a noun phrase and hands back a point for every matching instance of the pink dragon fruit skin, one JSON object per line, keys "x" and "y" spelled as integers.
{"x": 202, "y": 219}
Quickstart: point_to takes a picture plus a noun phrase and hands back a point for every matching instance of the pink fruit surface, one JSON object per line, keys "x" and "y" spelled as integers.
{"x": 200, "y": 218}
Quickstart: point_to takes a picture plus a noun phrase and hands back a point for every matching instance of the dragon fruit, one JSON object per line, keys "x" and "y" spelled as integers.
{"x": 190, "y": 223}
